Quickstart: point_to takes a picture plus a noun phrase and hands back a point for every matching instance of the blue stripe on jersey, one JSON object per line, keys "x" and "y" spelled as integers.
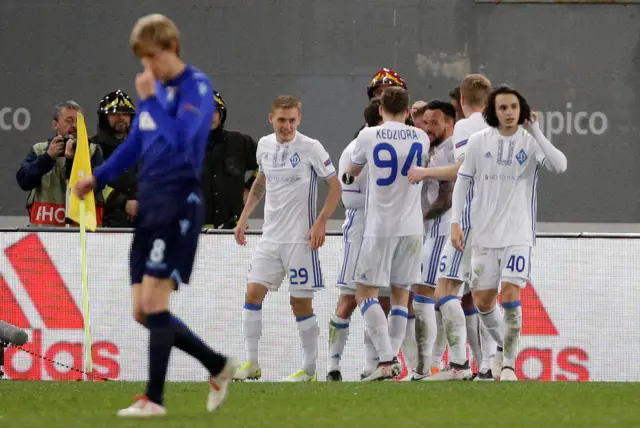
{"x": 457, "y": 257}
{"x": 466, "y": 215}
{"x": 311, "y": 209}
{"x": 435, "y": 257}
{"x": 534, "y": 203}
{"x": 435, "y": 227}
{"x": 350, "y": 215}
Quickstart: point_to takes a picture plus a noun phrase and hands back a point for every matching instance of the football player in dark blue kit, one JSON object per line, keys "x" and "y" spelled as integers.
{"x": 169, "y": 137}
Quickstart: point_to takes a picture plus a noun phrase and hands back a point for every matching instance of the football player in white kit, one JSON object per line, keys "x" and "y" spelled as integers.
{"x": 502, "y": 165}
{"x": 290, "y": 164}
{"x": 391, "y": 250}
{"x": 439, "y": 120}
{"x": 353, "y": 198}
{"x": 454, "y": 266}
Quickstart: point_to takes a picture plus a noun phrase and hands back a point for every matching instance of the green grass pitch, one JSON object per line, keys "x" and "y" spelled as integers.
{"x": 350, "y": 404}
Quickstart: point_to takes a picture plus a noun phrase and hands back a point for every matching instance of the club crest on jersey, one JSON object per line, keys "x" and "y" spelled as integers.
{"x": 521, "y": 156}
{"x": 295, "y": 160}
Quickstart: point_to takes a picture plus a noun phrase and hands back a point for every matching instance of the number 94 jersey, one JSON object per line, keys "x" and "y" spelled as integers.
{"x": 393, "y": 206}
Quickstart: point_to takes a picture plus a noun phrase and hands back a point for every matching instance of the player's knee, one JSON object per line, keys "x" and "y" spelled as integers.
{"x": 255, "y": 294}
{"x": 301, "y": 306}
{"x": 511, "y": 289}
{"x": 346, "y": 306}
{"x": 467, "y": 302}
{"x": 484, "y": 300}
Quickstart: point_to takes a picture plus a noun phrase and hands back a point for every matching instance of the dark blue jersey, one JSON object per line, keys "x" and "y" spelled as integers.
{"x": 168, "y": 136}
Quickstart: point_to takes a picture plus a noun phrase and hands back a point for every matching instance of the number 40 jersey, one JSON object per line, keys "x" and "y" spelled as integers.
{"x": 393, "y": 206}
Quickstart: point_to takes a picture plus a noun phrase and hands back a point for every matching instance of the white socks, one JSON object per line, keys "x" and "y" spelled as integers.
{"x": 426, "y": 331}
{"x": 455, "y": 328}
{"x": 378, "y": 329}
{"x": 441, "y": 340}
{"x": 492, "y": 320}
{"x": 473, "y": 334}
{"x": 338, "y": 333}
{"x": 489, "y": 348}
{"x": 252, "y": 329}
{"x": 409, "y": 346}
{"x": 309, "y": 331}
{"x": 370, "y": 354}
{"x": 398, "y": 318}
{"x": 513, "y": 324}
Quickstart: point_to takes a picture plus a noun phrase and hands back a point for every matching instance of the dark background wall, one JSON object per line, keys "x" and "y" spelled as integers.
{"x": 579, "y": 65}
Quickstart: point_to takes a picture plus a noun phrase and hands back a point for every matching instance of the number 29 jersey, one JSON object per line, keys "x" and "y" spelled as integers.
{"x": 393, "y": 205}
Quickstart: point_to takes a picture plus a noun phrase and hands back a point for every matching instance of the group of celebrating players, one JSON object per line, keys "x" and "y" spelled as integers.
{"x": 415, "y": 184}
{"x": 408, "y": 246}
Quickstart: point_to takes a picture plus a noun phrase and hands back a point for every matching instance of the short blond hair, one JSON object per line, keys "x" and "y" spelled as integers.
{"x": 475, "y": 89}
{"x": 154, "y": 30}
{"x": 286, "y": 102}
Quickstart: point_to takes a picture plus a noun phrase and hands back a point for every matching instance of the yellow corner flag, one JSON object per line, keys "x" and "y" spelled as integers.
{"x": 81, "y": 169}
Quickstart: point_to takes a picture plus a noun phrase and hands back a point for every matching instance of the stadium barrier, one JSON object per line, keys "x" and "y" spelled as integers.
{"x": 580, "y": 317}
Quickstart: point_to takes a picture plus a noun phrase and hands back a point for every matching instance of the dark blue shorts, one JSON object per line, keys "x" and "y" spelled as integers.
{"x": 166, "y": 237}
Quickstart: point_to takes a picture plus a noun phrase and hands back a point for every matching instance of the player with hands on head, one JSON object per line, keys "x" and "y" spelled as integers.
{"x": 502, "y": 164}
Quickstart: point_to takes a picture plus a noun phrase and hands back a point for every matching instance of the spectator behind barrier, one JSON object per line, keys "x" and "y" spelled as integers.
{"x": 230, "y": 157}
{"x": 115, "y": 114}
{"x": 45, "y": 172}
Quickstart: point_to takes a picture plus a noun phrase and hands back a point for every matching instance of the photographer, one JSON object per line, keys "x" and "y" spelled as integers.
{"x": 230, "y": 157}
{"x": 45, "y": 171}
{"x": 115, "y": 115}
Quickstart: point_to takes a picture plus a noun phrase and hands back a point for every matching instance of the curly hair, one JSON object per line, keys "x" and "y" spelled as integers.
{"x": 489, "y": 113}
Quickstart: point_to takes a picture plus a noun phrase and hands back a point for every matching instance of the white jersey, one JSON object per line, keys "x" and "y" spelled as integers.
{"x": 394, "y": 205}
{"x": 462, "y": 131}
{"x": 442, "y": 155}
{"x": 353, "y": 197}
{"x": 291, "y": 171}
{"x": 504, "y": 171}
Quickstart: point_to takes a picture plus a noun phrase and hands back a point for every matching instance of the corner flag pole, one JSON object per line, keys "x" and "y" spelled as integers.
{"x": 85, "y": 293}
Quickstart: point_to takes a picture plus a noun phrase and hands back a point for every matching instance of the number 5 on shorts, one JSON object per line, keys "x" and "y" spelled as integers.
{"x": 298, "y": 277}
{"x": 516, "y": 264}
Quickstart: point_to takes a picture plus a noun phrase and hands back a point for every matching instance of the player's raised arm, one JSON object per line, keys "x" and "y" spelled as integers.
{"x": 441, "y": 173}
{"x": 122, "y": 158}
{"x": 196, "y": 105}
{"x": 552, "y": 158}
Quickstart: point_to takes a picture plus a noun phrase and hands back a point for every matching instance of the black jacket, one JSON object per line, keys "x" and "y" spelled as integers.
{"x": 125, "y": 187}
{"x": 230, "y": 155}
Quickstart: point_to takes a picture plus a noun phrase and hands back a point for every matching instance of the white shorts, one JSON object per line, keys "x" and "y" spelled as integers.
{"x": 455, "y": 264}
{"x": 492, "y": 266}
{"x": 431, "y": 252}
{"x": 272, "y": 261}
{"x": 386, "y": 261}
{"x": 346, "y": 275}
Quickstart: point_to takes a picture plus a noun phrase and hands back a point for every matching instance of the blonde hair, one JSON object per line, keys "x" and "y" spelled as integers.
{"x": 475, "y": 90}
{"x": 154, "y": 30}
{"x": 286, "y": 102}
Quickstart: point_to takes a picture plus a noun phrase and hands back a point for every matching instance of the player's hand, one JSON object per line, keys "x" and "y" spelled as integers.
{"x": 56, "y": 148}
{"x": 238, "y": 231}
{"x": 417, "y": 174}
{"x": 529, "y": 123}
{"x": 145, "y": 83}
{"x": 84, "y": 186}
{"x": 457, "y": 237}
{"x": 317, "y": 233}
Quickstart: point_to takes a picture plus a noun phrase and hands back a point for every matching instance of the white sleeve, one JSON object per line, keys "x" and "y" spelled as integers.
{"x": 466, "y": 173}
{"x": 359, "y": 155}
{"x": 547, "y": 155}
{"x": 259, "y": 157}
{"x": 352, "y": 195}
{"x": 460, "y": 139}
{"x": 321, "y": 161}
